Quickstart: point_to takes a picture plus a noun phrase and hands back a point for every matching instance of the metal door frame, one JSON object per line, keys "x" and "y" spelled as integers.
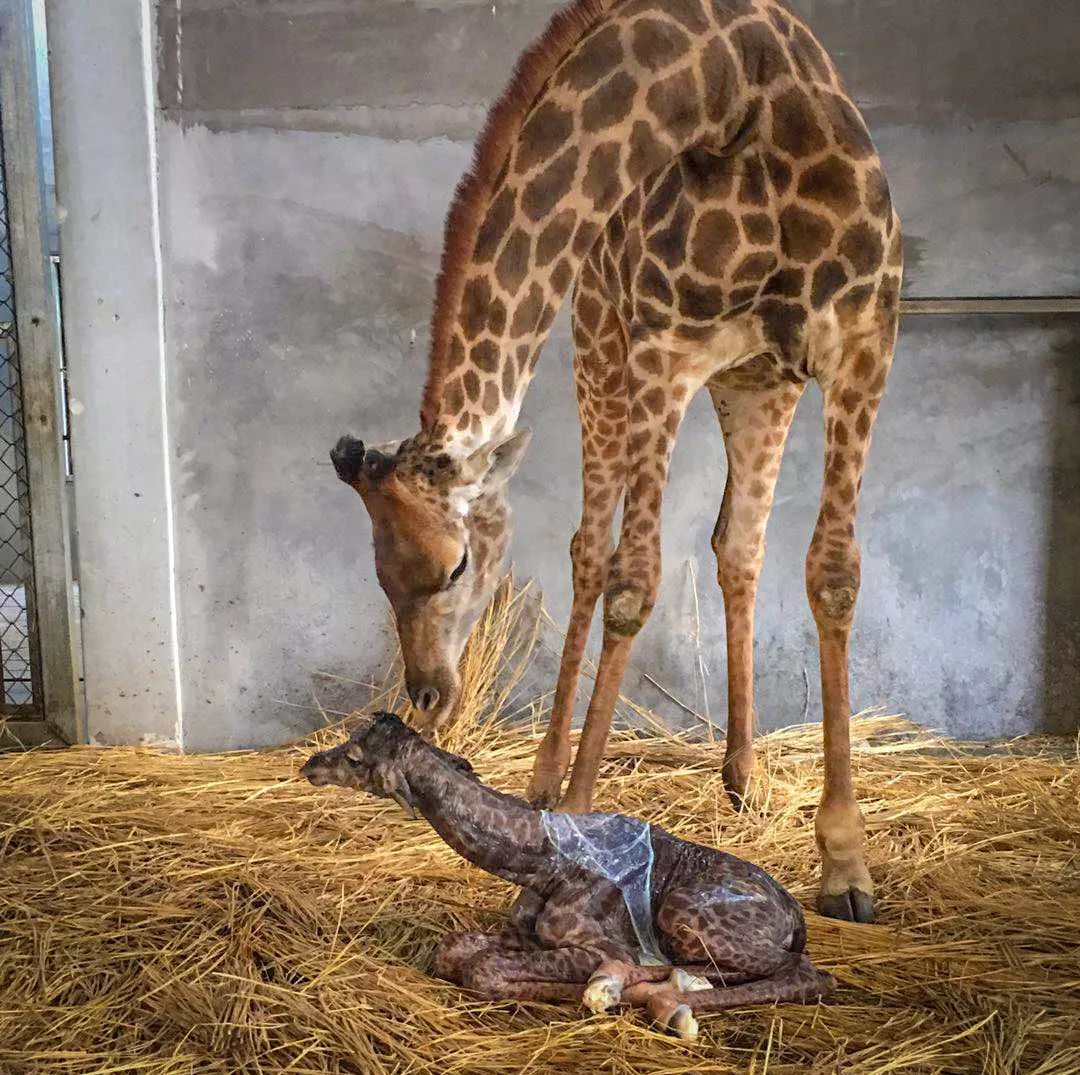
{"x": 38, "y": 341}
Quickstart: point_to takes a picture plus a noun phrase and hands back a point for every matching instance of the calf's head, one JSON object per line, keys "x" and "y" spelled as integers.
{"x": 377, "y": 758}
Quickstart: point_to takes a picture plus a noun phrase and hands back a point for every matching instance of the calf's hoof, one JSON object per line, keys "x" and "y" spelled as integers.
{"x": 602, "y": 993}
{"x": 854, "y": 905}
{"x": 683, "y": 1024}
{"x": 667, "y": 1012}
{"x": 683, "y": 981}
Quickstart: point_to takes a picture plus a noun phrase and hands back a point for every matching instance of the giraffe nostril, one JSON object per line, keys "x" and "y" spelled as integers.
{"x": 425, "y": 698}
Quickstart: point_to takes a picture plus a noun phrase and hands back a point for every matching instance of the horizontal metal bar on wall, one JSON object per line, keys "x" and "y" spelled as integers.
{"x": 1018, "y": 305}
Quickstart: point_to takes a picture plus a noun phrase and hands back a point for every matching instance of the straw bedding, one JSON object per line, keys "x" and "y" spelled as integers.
{"x": 165, "y": 914}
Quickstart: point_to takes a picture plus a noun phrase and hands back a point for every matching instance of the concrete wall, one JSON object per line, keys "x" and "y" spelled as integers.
{"x": 111, "y": 257}
{"x": 305, "y": 157}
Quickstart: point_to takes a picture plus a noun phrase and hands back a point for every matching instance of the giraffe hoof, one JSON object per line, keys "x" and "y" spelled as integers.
{"x": 682, "y": 1023}
{"x": 738, "y": 772}
{"x": 602, "y": 993}
{"x": 737, "y": 795}
{"x": 851, "y": 906}
{"x": 684, "y": 982}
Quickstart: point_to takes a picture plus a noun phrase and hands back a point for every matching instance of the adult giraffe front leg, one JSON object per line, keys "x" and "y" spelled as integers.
{"x": 600, "y": 382}
{"x": 659, "y": 387}
{"x": 833, "y": 572}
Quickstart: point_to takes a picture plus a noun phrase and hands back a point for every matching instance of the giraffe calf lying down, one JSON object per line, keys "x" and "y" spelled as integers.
{"x": 612, "y": 910}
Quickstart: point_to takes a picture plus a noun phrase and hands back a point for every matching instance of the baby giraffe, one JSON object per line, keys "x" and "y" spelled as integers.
{"x": 611, "y": 909}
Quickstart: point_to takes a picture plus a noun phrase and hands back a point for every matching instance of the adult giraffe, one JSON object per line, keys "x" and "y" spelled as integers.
{"x": 697, "y": 167}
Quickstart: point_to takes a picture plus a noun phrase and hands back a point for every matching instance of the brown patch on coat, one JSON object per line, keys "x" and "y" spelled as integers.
{"x": 795, "y": 128}
{"x": 674, "y": 102}
{"x": 803, "y": 235}
{"x": 716, "y": 237}
{"x": 657, "y": 43}
{"x": 832, "y": 184}
{"x": 553, "y": 183}
{"x": 760, "y": 52}
{"x": 609, "y": 103}
{"x": 546, "y": 130}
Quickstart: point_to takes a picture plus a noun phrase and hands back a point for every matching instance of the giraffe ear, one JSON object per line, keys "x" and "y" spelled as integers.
{"x": 493, "y": 464}
{"x": 354, "y": 748}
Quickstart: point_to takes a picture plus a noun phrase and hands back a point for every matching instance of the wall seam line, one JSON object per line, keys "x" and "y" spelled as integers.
{"x": 147, "y": 33}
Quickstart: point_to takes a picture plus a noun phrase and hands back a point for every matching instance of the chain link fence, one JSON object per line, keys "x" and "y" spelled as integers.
{"x": 19, "y": 671}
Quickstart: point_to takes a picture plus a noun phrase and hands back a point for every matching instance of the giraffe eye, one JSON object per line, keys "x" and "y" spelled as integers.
{"x": 460, "y": 569}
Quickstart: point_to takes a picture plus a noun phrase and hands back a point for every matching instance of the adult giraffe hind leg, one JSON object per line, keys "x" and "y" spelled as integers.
{"x": 755, "y": 419}
{"x": 853, "y": 392}
{"x": 600, "y": 381}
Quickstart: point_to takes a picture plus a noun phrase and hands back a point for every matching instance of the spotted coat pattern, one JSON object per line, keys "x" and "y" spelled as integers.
{"x": 697, "y": 172}
{"x": 722, "y": 922}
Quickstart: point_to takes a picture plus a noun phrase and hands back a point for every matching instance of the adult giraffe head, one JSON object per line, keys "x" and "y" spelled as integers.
{"x": 437, "y": 502}
{"x": 441, "y": 528}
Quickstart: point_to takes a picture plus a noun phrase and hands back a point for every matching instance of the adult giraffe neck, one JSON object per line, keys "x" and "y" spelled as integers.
{"x": 631, "y": 88}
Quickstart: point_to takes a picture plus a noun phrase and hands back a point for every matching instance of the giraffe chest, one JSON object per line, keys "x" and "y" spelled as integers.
{"x": 581, "y": 913}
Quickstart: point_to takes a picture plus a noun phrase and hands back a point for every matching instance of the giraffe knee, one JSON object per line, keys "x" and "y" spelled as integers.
{"x": 626, "y": 608}
{"x": 834, "y": 602}
{"x": 454, "y": 953}
{"x": 832, "y": 586}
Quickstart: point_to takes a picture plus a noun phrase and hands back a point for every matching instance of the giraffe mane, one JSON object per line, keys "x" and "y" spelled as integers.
{"x": 472, "y": 196}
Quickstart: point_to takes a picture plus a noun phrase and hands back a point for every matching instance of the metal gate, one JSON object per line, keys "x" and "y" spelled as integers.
{"x": 38, "y": 682}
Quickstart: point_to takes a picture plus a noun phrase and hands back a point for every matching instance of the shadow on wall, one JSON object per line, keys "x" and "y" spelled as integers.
{"x": 1061, "y": 640}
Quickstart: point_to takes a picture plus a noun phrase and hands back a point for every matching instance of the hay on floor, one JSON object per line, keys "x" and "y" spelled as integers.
{"x": 165, "y": 914}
